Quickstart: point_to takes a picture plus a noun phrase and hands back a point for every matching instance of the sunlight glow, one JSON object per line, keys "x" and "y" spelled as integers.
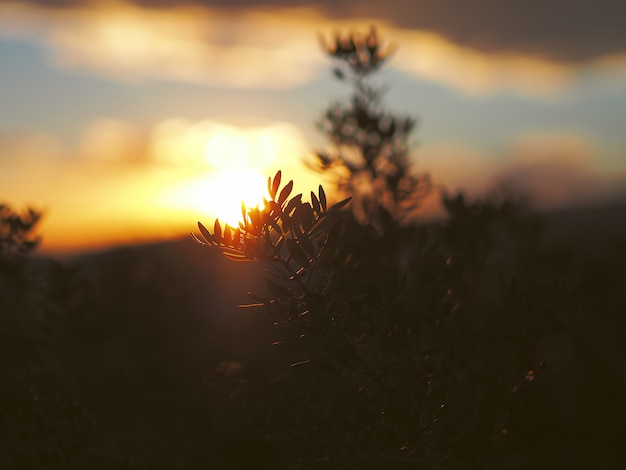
{"x": 226, "y": 191}
{"x": 233, "y": 165}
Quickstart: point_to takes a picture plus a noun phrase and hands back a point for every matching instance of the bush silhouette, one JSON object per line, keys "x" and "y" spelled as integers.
{"x": 412, "y": 346}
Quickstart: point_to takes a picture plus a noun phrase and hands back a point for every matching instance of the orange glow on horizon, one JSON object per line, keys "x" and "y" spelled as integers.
{"x": 189, "y": 172}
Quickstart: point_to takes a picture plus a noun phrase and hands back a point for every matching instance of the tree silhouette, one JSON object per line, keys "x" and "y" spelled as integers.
{"x": 371, "y": 149}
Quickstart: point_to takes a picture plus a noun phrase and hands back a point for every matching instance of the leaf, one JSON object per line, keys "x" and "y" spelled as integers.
{"x": 275, "y": 184}
{"x": 301, "y": 363}
{"x": 333, "y": 233}
{"x": 293, "y": 203}
{"x": 303, "y": 216}
{"x": 276, "y": 227}
{"x": 255, "y": 218}
{"x": 340, "y": 204}
{"x": 237, "y": 238}
{"x": 227, "y": 235}
{"x": 235, "y": 256}
{"x": 252, "y": 305}
{"x": 286, "y": 191}
{"x": 206, "y": 234}
{"x": 298, "y": 274}
{"x": 217, "y": 231}
{"x": 322, "y": 197}
{"x": 315, "y": 202}
{"x": 279, "y": 245}
{"x": 195, "y": 238}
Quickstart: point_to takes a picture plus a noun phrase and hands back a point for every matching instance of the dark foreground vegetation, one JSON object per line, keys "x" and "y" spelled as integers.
{"x": 137, "y": 358}
{"x": 493, "y": 338}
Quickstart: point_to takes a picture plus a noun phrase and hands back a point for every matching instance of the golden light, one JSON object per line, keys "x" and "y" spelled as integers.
{"x": 226, "y": 191}
{"x": 231, "y": 167}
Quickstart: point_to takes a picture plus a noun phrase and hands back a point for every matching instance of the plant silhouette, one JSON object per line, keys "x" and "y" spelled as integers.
{"x": 371, "y": 149}
{"x": 411, "y": 346}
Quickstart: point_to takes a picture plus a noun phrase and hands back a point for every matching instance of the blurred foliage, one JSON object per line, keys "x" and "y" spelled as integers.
{"x": 371, "y": 149}
{"x": 17, "y": 239}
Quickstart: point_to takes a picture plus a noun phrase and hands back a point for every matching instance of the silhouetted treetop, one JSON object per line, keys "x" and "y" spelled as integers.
{"x": 370, "y": 154}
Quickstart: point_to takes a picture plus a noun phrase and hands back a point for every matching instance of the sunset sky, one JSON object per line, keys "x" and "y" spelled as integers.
{"x": 128, "y": 121}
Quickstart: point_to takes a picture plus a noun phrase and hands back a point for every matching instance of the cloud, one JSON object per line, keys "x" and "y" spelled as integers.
{"x": 559, "y": 30}
{"x": 131, "y": 43}
{"x": 430, "y": 56}
{"x": 272, "y": 45}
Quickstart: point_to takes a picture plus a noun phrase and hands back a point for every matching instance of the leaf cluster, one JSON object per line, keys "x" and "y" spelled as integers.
{"x": 286, "y": 230}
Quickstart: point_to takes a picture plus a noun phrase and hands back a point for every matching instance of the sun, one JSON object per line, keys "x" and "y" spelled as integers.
{"x": 226, "y": 190}
{"x": 231, "y": 166}
{"x": 207, "y": 169}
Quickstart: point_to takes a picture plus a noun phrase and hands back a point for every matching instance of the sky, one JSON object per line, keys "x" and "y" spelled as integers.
{"x": 127, "y": 121}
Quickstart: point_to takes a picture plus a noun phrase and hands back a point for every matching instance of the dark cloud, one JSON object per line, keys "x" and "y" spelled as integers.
{"x": 562, "y": 30}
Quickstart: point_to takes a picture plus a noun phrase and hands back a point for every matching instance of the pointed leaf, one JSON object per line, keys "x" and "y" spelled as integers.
{"x": 253, "y": 305}
{"x": 276, "y": 227}
{"x": 235, "y": 256}
{"x": 333, "y": 233}
{"x": 195, "y": 238}
{"x": 322, "y": 198}
{"x": 276, "y": 184}
{"x": 340, "y": 204}
{"x": 284, "y": 194}
{"x": 315, "y": 202}
{"x": 291, "y": 205}
{"x": 206, "y": 234}
{"x": 217, "y": 231}
{"x": 298, "y": 274}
